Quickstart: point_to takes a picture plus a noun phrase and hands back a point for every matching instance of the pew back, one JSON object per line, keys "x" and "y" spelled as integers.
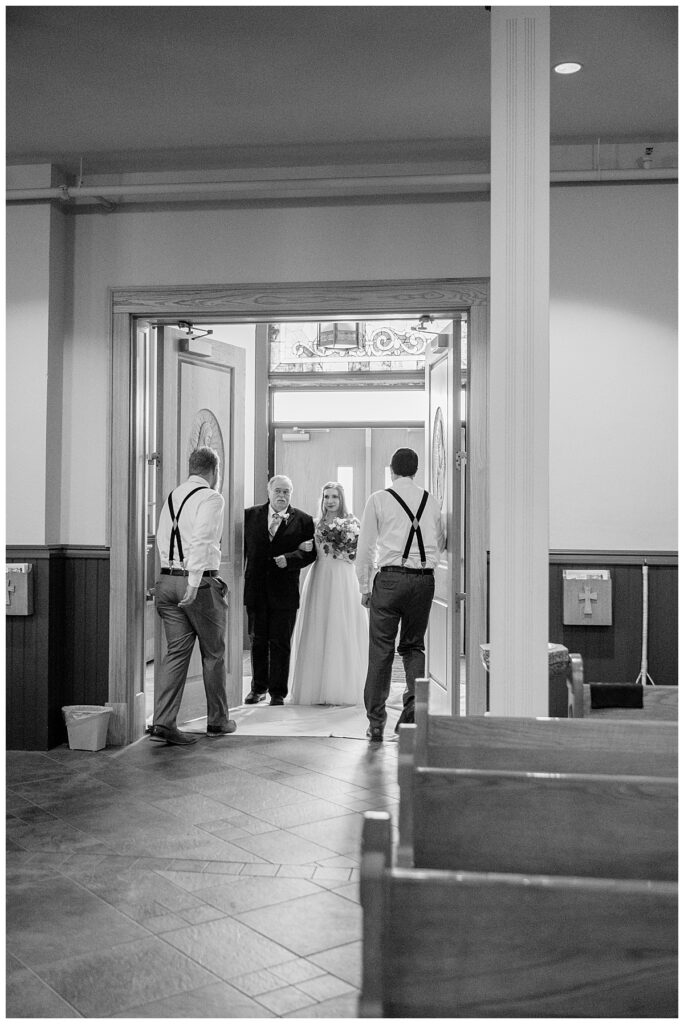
{"x": 593, "y": 746}
{"x": 597, "y": 826}
{"x": 473, "y": 944}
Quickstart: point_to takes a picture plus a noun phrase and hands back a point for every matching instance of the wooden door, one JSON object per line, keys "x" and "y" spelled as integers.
{"x": 325, "y": 453}
{"x": 202, "y": 401}
{"x": 384, "y": 442}
{"x": 443, "y": 476}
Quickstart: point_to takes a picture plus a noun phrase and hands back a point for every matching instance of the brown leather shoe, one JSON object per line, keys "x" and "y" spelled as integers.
{"x": 221, "y": 730}
{"x": 174, "y": 737}
{"x": 254, "y": 698}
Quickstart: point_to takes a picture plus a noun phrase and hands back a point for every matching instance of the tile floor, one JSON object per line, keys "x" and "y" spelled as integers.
{"x": 219, "y": 880}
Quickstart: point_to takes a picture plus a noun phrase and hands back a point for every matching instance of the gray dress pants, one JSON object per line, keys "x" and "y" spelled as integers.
{"x": 203, "y": 620}
{"x": 400, "y": 603}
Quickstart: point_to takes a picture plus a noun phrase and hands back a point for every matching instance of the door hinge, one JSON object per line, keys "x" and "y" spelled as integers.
{"x": 154, "y": 459}
{"x": 460, "y": 459}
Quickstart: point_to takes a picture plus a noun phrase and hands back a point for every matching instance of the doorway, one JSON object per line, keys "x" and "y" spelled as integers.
{"x": 128, "y": 538}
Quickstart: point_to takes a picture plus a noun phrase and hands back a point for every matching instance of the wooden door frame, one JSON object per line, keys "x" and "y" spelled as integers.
{"x": 262, "y": 303}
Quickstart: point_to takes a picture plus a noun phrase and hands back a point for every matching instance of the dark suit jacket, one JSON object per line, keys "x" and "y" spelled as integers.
{"x": 264, "y": 581}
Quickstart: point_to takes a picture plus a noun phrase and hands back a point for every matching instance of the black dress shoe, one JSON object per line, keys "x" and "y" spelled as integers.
{"x": 254, "y": 698}
{"x": 221, "y": 730}
{"x": 374, "y": 734}
{"x": 161, "y": 733}
{"x": 276, "y": 701}
{"x": 405, "y": 718}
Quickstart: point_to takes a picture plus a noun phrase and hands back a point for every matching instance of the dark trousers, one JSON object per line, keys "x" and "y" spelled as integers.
{"x": 203, "y": 620}
{"x": 270, "y": 634}
{"x": 400, "y": 602}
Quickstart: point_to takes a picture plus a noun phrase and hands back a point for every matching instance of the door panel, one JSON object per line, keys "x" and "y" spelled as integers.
{"x": 365, "y": 451}
{"x": 442, "y": 436}
{"x": 202, "y": 401}
{"x": 384, "y": 442}
{"x": 311, "y": 463}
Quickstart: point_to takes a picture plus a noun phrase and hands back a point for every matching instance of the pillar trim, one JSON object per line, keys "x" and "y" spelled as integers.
{"x": 519, "y": 381}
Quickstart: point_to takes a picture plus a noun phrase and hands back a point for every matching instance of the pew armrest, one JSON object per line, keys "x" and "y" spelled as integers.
{"x": 405, "y": 775}
{"x": 422, "y": 696}
{"x": 376, "y": 846}
{"x": 575, "y": 683}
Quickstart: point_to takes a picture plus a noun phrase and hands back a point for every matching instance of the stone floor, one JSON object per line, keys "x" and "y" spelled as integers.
{"x": 219, "y": 880}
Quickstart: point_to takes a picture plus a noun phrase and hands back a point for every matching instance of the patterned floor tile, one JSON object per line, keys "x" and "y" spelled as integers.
{"x": 59, "y": 918}
{"x": 216, "y": 882}
{"x": 229, "y": 947}
{"x": 342, "y": 961}
{"x": 217, "y": 1000}
{"x": 250, "y": 893}
{"x": 345, "y": 1006}
{"x": 286, "y": 1000}
{"x": 132, "y": 974}
{"x": 27, "y": 996}
{"x": 283, "y": 847}
{"x": 310, "y": 924}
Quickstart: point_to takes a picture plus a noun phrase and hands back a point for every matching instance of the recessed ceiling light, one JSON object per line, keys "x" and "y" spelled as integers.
{"x": 568, "y": 68}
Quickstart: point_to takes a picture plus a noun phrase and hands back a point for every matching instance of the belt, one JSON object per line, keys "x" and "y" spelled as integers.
{"x": 184, "y": 572}
{"x": 403, "y": 568}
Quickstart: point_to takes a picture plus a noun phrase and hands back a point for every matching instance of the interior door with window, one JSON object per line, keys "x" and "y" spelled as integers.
{"x": 443, "y": 479}
{"x": 202, "y": 402}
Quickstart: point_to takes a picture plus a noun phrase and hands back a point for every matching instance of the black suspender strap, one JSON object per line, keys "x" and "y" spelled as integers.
{"x": 415, "y": 530}
{"x": 175, "y": 532}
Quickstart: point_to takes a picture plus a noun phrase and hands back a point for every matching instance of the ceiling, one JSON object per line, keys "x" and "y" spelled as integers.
{"x": 154, "y": 88}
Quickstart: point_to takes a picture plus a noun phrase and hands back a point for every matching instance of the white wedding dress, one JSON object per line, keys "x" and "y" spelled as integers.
{"x": 329, "y": 656}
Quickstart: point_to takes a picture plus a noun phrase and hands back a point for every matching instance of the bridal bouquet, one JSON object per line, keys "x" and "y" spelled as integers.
{"x": 340, "y": 537}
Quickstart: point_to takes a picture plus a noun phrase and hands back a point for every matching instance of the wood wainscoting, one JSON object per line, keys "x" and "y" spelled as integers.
{"x": 58, "y": 655}
{"x": 612, "y": 654}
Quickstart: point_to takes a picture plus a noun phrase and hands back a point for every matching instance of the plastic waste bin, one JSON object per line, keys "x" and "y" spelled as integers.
{"x": 87, "y": 726}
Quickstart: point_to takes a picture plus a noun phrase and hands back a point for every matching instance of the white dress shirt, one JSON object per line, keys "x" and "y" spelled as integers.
{"x": 281, "y": 517}
{"x": 200, "y": 527}
{"x": 385, "y": 528}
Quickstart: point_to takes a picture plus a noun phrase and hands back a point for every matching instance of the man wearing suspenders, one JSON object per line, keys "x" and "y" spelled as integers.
{"x": 191, "y": 599}
{"x": 402, "y": 535}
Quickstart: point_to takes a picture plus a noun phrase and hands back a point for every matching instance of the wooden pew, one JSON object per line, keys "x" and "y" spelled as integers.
{"x": 596, "y": 745}
{"x": 601, "y": 826}
{"x": 476, "y": 944}
{"x": 660, "y": 703}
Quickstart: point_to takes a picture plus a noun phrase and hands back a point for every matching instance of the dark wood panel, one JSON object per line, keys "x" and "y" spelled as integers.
{"x": 59, "y": 655}
{"x": 613, "y": 653}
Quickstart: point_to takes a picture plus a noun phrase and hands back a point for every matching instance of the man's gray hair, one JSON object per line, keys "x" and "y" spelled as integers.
{"x": 203, "y": 460}
{"x": 279, "y": 476}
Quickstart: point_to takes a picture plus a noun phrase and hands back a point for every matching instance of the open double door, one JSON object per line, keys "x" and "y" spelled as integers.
{"x": 444, "y": 478}
{"x": 199, "y": 387}
{"x": 200, "y": 399}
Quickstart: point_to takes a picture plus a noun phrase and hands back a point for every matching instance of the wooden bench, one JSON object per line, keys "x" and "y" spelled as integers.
{"x": 474, "y": 944}
{"x": 596, "y": 745}
{"x": 661, "y": 704}
{"x": 602, "y": 826}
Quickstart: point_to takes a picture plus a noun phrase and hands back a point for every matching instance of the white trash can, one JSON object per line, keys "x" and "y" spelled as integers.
{"x": 87, "y": 726}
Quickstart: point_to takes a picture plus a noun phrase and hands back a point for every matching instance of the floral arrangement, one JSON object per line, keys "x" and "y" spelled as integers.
{"x": 339, "y": 537}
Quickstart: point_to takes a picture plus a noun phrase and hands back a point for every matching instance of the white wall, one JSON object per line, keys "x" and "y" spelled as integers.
{"x": 26, "y": 366}
{"x": 215, "y": 246}
{"x": 614, "y": 368}
{"x": 613, "y": 335}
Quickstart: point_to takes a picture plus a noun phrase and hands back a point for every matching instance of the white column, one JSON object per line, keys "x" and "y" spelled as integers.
{"x": 519, "y": 373}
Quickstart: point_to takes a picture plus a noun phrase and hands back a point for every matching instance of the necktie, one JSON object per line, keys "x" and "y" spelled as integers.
{"x": 275, "y": 523}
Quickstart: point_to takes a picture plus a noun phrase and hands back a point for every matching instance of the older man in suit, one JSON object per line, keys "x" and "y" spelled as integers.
{"x": 278, "y": 544}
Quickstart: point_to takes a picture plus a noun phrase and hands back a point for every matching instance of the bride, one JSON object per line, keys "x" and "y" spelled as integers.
{"x": 330, "y": 643}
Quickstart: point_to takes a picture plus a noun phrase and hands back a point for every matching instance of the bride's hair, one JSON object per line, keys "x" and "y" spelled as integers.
{"x": 342, "y": 510}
